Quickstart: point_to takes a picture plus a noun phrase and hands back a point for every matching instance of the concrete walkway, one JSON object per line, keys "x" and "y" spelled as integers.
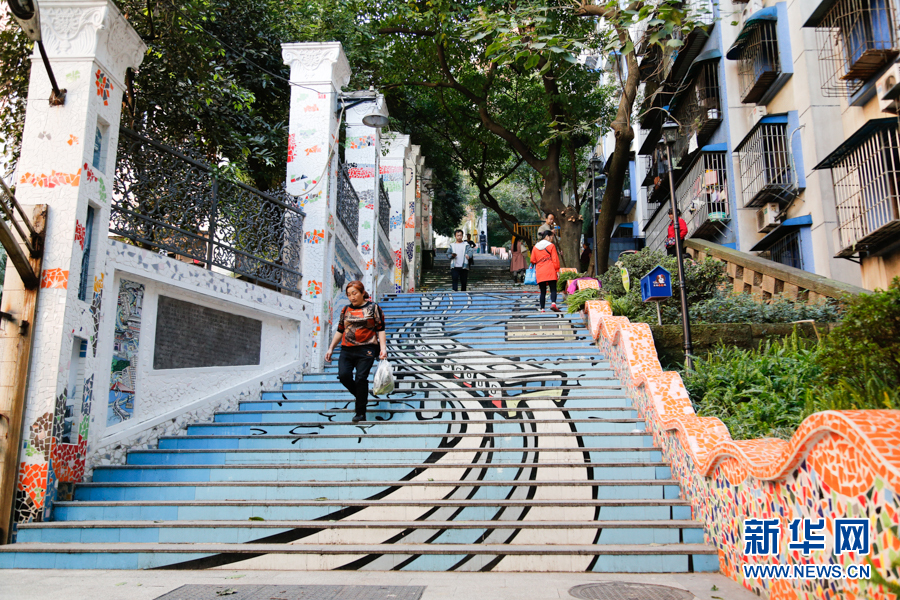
{"x": 16, "y": 584}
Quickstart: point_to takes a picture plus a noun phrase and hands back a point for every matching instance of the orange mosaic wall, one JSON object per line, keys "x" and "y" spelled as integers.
{"x": 837, "y": 464}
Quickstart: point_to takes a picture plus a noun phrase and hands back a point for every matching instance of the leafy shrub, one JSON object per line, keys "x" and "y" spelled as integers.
{"x": 745, "y": 308}
{"x": 867, "y": 392}
{"x": 756, "y": 393}
{"x": 703, "y": 281}
{"x": 866, "y": 345}
{"x": 623, "y": 306}
{"x": 576, "y": 301}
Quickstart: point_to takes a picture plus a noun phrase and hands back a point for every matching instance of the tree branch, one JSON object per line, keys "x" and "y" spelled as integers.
{"x": 407, "y": 30}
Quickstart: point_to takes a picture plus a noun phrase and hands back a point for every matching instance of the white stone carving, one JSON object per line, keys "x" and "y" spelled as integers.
{"x": 91, "y": 29}
{"x": 314, "y": 63}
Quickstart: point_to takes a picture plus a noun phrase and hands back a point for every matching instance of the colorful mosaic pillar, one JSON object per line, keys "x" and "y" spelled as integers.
{"x": 411, "y": 192}
{"x": 392, "y": 176}
{"x": 68, "y": 162}
{"x": 362, "y": 152}
{"x": 318, "y": 71}
{"x": 427, "y": 230}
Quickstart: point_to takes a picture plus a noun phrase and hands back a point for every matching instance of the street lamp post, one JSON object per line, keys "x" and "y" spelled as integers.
{"x": 670, "y": 134}
{"x": 28, "y": 15}
{"x": 595, "y": 161}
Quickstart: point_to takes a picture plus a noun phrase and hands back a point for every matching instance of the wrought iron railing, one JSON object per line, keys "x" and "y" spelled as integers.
{"x": 171, "y": 201}
{"x": 698, "y": 107}
{"x": 856, "y": 39}
{"x": 766, "y": 166}
{"x": 703, "y": 195}
{"x": 347, "y": 203}
{"x": 867, "y": 193}
{"x": 384, "y": 209}
{"x": 758, "y": 65}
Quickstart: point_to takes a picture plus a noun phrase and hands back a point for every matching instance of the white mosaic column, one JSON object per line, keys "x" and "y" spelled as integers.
{"x": 392, "y": 176}
{"x": 68, "y": 162}
{"x": 318, "y": 72}
{"x": 411, "y": 193}
{"x": 361, "y": 149}
{"x": 427, "y": 213}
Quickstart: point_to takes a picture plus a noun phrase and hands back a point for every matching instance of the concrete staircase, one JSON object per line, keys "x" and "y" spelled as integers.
{"x": 509, "y": 445}
{"x": 488, "y": 274}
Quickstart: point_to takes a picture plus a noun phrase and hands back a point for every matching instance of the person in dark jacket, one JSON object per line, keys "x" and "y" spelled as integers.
{"x": 361, "y": 332}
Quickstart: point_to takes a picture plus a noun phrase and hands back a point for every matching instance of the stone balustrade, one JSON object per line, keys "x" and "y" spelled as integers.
{"x": 765, "y": 278}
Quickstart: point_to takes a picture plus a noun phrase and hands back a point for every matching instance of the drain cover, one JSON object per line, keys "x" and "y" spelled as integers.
{"x": 294, "y": 592}
{"x": 623, "y": 590}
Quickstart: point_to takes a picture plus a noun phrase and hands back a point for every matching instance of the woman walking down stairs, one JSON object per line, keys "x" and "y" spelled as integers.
{"x": 508, "y": 445}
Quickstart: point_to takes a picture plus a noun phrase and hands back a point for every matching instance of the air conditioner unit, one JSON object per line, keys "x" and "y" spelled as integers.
{"x": 765, "y": 217}
{"x": 752, "y": 7}
{"x": 756, "y": 113}
{"x": 888, "y": 89}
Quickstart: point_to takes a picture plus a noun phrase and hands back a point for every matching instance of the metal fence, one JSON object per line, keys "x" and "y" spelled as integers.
{"x": 758, "y": 66}
{"x": 384, "y": 209}
{"x": 347, "y": 203}
{"x": 867, "y": 193}
{"x": 703, "y": 195}
{"x": 856, "y": 39}
{"x": 171, "y": 201}
{"x": 765, "y": 162}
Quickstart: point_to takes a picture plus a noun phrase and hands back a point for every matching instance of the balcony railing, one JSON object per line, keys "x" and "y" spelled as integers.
{"x": 856, "y": 39}
{"x": 766, "y": 165}
{"x": 703, "y": 196}
{"x": 699, "y": 110}
{"x": 758, "y": 63}
{"x": 867, "y": 191}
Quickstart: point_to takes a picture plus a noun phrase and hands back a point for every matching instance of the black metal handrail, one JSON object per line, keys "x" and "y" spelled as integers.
{"x": 347, "y": 203}
{"x": 167, "y": 200}
{"x": 384, "y": 209}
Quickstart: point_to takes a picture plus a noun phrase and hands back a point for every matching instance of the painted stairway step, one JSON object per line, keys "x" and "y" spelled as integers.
{"x": 638, "y": 489}
{"x": 346, "y": 524}
{"x": 374, "y": 471}
{"x": 291, "y": 457}
{"x": 588, "y": 426}
{"x": 373, "y": 508}
{"x": 316, "y": 443}
{"x": 318, "y": 532}
{"x": 291, "y": 416}
{"x": 587, "y": 402}
{"x": 400, "y": 409}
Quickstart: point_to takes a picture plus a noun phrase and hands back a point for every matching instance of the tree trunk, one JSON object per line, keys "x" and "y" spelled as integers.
{"x": 567, "y": 217}
{"x": 615, "y": 179}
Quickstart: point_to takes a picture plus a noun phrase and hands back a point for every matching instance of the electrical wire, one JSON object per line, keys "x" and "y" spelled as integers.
{"x": 243, "y": 57}
{"x": 333, "y": 145}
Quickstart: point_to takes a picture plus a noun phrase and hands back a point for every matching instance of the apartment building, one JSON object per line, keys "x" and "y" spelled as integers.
{"x": 784, "y": 145}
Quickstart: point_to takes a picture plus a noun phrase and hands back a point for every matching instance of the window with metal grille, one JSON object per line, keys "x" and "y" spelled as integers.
{"x": 703, "y": 195}
{"x": 758, "y": 64}
{"x": 765, "y": 164}
{"x": 699, "y": 111}
{"x": 855, "y": 39}
{"x": 655, "y": 234}
{"x": 867, "y": 192}
{"x": 786, "y": 251}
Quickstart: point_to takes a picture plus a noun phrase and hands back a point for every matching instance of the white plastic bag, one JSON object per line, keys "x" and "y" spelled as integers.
{"x": 384, "y": 379}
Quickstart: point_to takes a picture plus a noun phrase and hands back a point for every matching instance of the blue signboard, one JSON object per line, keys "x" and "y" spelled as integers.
{"x": 656, "y": 285}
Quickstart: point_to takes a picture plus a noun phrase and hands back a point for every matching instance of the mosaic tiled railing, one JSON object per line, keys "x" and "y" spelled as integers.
{"x": 838, "y": 464}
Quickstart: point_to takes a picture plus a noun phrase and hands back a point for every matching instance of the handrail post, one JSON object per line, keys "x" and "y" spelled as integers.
{"x": 213, "y": 215}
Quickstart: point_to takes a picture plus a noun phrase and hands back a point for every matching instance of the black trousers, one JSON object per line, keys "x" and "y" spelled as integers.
{"x": 359, "y": 358}
{"x": 544, "y": 285}
{"x": 671, "y": 251}
{"x": 459, "y": 276}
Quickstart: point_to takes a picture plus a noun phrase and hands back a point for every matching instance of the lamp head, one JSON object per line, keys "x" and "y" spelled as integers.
{"x": 27, "y": 14}
{"x": 375, "y": 119}
{"x": 670, "y": 131}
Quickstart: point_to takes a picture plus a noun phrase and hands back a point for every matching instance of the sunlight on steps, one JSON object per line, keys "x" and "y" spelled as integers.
{"x": 508, "y": 445}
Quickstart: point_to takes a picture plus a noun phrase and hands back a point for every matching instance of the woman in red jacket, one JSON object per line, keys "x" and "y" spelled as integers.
{"x": 670, "y": 234}
{"x": 546, "y": 261}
